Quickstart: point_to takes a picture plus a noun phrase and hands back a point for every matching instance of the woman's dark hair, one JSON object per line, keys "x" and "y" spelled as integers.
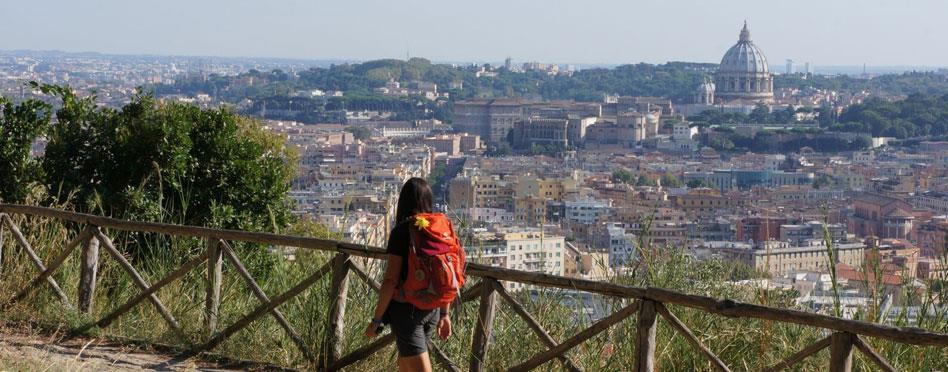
{"x": 414, "y": 198}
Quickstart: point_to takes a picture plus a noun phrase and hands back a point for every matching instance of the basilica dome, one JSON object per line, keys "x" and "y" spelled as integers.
{"x": 743, "y": 73}
{"x": 705, "y": 93}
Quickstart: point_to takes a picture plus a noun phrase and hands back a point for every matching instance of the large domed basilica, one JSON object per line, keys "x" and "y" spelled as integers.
{"x": 743, "y": 73}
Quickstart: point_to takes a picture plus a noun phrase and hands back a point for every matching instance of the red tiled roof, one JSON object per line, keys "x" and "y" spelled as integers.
{"x": 847, "y": 272}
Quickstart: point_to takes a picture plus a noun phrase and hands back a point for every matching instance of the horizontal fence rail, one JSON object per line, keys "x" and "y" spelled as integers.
{"x": 648, "y": 304}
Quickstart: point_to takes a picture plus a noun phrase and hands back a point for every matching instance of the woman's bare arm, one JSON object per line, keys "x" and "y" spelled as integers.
{"x": 392, "y": 272}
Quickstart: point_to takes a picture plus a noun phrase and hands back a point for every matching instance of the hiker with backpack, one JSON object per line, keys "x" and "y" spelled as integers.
{"x": 425, "y": 273}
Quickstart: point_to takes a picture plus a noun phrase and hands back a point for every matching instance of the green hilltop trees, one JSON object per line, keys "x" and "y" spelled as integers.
{"x": 918, "y": 115}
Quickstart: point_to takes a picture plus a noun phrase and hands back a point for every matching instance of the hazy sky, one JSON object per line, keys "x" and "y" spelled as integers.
{"x": 825, "y": 32}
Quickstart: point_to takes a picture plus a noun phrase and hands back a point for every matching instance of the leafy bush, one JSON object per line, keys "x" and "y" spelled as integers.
{"x": 156, "y": 161}
{"x": 20, "y": 125}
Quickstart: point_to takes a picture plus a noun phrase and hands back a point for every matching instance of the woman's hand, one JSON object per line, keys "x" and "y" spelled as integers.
{"x": 444, "y": 327}
{"x": 372, "y": 330}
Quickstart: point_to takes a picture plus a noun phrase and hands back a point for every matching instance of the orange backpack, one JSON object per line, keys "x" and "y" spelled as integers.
{"x": 435, "y": 262}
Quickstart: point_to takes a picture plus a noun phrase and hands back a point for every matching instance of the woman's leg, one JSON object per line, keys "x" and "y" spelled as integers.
{"x": 416, "y": 363}
{"x": 409, "y": 325}
{"x": 420, "y": 362}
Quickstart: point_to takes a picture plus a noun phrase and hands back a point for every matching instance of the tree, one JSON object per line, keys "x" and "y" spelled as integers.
{"x": 669, "y": 180}
{"x": 622, "y": 176}
{"x": 644, "y": 181}
{"x": 826, "y": 116}
{"x": 714, "y": 117}
{"x": 823, "y": 181}
{"x": 20, "y": 125}
{"x": 786, "y": 116}
{"x": 161, "y": 162}
{"x": 721, "y": 143}
{"x": 694, "y": 184}
{"x": 761, "y": 114}
{"x": 861, "y": 142}
{"x": 359, "y": 133}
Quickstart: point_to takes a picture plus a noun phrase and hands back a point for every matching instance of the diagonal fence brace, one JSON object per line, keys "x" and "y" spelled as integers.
{"x": 257, "y": 313}
{"x": 262, "y": 296}
{"x": 140, "y": 282}
{"x": 21, "y": 240}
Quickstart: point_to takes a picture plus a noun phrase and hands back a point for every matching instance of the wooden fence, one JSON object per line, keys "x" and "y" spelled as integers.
{"x": 647, "y": 303}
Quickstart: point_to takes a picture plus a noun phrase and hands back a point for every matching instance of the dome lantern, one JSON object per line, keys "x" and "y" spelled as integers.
{"x": 745, "y": 34}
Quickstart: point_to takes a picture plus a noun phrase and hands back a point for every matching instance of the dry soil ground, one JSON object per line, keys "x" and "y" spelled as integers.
{"x": 20, "y": 351}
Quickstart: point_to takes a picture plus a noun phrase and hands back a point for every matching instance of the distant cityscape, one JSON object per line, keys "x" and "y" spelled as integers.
{"x": 561, "y": 169}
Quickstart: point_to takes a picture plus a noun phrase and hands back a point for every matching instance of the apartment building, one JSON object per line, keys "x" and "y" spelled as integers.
{"x": 481, "y": 192}
{"x": 781, "y": 258}
{"x": 521, "y": 249}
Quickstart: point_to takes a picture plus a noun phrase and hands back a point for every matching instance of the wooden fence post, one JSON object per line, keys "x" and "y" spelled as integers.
{"x": 212, "y": 300}
{"x": 1, "y": 241}
{"x": 645, "y": 338}
{"x": 338, "y": 292}
{"x": 841, "y": 352}
{"x": 88, "y": 271}
{"x": 484, "y": 325}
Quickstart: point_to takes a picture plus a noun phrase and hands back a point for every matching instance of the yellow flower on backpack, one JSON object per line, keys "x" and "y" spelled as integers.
{"x": 422, "y": 223}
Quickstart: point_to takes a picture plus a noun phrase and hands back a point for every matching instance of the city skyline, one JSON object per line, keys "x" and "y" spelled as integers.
{"x": 825, "y": 34}
{"x": 599, "y": 166}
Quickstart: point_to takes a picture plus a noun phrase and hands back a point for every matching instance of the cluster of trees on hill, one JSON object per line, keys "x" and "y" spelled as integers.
{"x": 760, "y": 115}
{"x": 784, "y": 141}
{"x": 363, "y": 77}
{"x": 667, "y": 180}
{"x": 676, "y": 80}
{"x": 896, "y": 84}
{"x": 276, "y": 90}
{"x": 917, "y": 115}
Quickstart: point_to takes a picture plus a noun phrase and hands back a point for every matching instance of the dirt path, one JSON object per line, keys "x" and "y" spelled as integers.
{"x": 23, "y": 352}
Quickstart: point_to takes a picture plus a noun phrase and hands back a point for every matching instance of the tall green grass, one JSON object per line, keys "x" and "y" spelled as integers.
{"x": 737, "y": 341}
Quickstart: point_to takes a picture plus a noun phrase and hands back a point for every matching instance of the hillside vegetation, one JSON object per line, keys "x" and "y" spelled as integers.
{"x": 918, "y": 115}
{"x": 273, "y": 94}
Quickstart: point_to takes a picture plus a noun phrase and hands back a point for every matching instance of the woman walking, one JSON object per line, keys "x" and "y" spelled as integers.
{"x": 424, "y": 244}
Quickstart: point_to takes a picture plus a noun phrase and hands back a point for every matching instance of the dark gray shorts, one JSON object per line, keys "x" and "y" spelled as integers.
{"x": 412, "y": 327}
